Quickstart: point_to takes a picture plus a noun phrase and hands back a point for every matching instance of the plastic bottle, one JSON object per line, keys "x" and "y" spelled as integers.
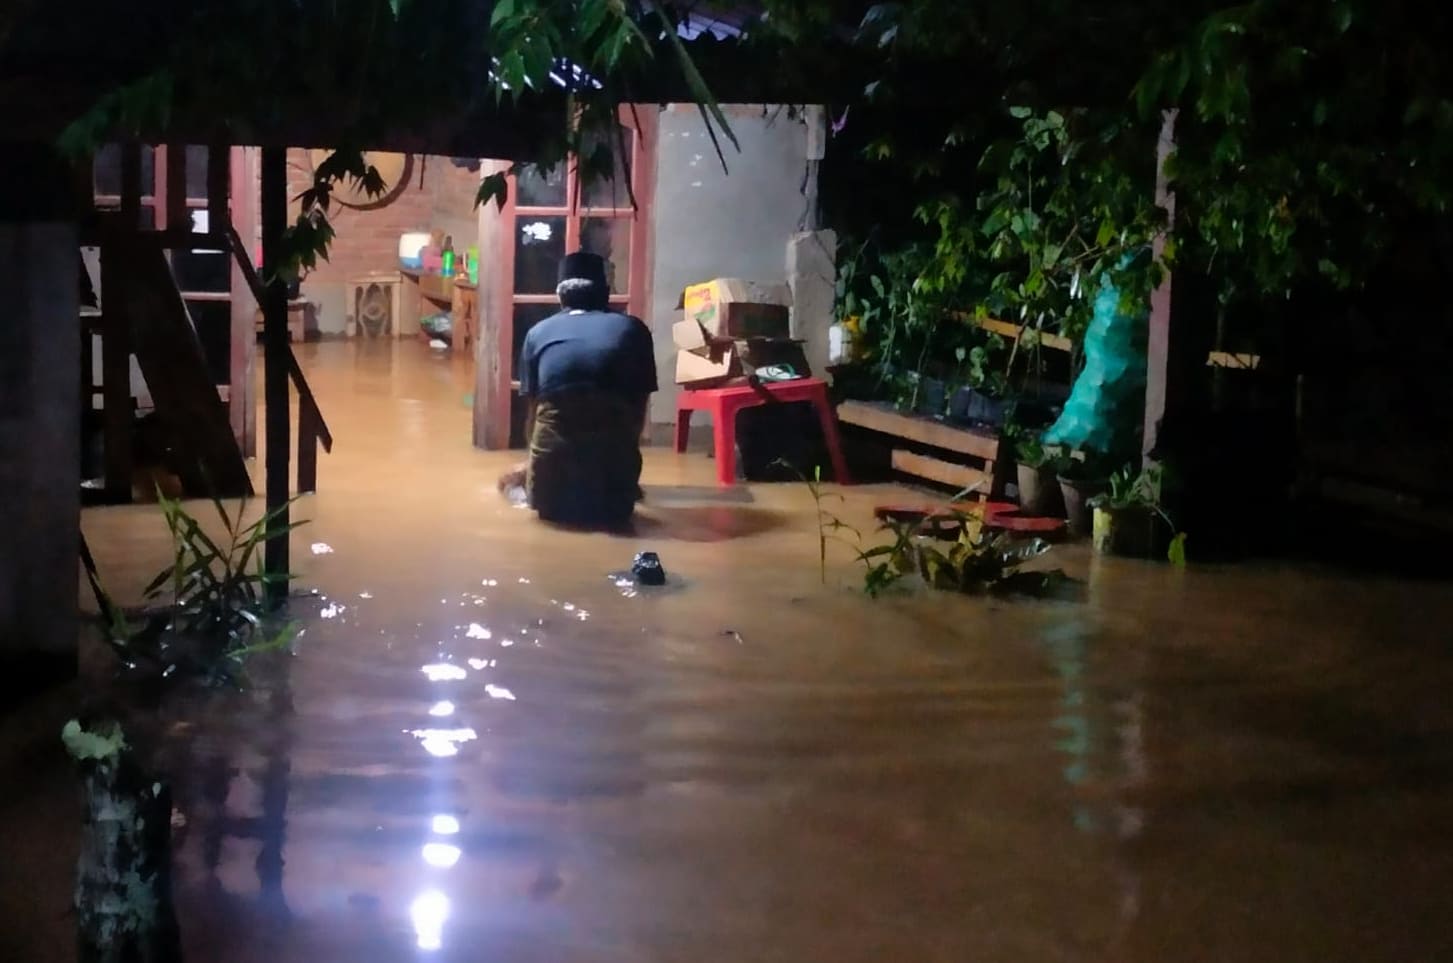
{"x": 446, "y": 267}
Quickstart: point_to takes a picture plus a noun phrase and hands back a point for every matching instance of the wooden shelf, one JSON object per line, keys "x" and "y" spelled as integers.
{"x": 919, "y": 428}
{"x": 956, "y": 476}
{"x": 979, "y": 444}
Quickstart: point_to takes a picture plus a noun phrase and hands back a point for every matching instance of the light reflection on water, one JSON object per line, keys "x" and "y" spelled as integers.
{"x": 429, "y": 911}
{"x": 441, "y": 855}
{"x": 443, "y": 742}
{"x": 443, "y": 672}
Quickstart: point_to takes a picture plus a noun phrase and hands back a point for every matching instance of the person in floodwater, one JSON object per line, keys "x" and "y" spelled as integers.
{"x": 587, "y": 375}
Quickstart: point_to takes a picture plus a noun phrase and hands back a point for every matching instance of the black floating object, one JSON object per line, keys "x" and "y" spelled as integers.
{"x": 647, "y": 569}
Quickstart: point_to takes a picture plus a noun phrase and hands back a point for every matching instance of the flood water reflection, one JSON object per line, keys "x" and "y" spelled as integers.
{"x": 1242, "y": 764}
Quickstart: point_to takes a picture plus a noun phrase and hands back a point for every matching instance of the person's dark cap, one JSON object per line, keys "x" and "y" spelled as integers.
{"x": 583, "y": 266}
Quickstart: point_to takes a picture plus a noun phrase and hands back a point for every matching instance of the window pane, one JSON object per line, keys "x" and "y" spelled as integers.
{"x": 610, "y": 237}
{"x": 526, "y": 317}
{"x": 605, "y": 191}
{"x": 539, "y": 246}
{"x": 533, "y": 189}
{"x": 107, "y": 170}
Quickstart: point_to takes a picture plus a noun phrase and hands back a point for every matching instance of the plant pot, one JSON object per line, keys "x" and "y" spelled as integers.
{"x": 1039, "y": 492}
{"x": 932, "y": 397}
{"x": 1077, "y": 493}
{"x": 972, "y": 406}
{"x": 1125, "y": 532}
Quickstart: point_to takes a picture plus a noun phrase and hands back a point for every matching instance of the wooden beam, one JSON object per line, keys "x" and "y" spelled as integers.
{"x": 170, "y": 356}
{"x": 925, "y": 431}
{"x": 959, "y": 477}
{"x": 1055, "y": 342}
{"x": 275, "y": 361}
{"x": 1158, "y": 347}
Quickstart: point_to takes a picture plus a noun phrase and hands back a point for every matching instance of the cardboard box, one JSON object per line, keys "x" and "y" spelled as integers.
{"x": 697, "y": 371}
{"x": 735, "y": 308}
{"x": 690, "y": 336}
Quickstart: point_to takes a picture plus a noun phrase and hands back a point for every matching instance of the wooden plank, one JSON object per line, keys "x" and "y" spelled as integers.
{"x": 959, "y": 477}
{"x": 925, "y": 431}
{"x": 1227, "y": 359}
{"x": 1006, "y": 329}
{"x": 307, "y": 448}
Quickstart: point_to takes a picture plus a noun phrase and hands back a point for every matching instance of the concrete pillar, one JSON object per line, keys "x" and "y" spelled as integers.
{"x": 812, "y": 275}
{"x": 40, "y": 429}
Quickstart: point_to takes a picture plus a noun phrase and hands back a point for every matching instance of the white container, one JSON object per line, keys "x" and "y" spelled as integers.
{"x": 839, "y": 345}
{"x": 411, "y": 248}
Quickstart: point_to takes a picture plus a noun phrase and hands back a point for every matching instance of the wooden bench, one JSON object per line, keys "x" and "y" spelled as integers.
{"x": 954, "y": 447}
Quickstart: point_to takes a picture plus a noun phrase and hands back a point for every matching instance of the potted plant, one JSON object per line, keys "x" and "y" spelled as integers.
{"x": 1128, "y": 516}
{"x": 1037, "y": 468}
{"x": 1081, "y": 477}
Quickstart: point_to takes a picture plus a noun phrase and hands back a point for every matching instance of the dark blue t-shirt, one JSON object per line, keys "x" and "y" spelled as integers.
{"x": 590, "y": 349}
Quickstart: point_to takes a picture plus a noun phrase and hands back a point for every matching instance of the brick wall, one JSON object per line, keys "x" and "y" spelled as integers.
{"x": 438, "y": 196}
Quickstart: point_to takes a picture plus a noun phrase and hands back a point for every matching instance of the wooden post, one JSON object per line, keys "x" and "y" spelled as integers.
{"x": 494, "y": 342}
{"x": 130, "y": 186}
{"x": 116, "y": 413}
{"x": 275, "y": 359}
{"x": 219, "y": 169}
{"x": 242, "y": 374}
{"x": 1158, "y": 347}
{"x": 178, "y": 218}
{"x": 40, "y": 443}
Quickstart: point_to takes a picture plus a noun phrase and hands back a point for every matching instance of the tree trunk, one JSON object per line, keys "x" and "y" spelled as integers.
{"x": 124, "y": 911}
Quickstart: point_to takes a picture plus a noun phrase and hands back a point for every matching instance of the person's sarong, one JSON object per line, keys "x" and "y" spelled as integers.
{"x": 585, "y": 458}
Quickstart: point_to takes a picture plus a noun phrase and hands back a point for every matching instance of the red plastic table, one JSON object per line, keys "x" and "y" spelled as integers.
{"x": 724, "y": 403}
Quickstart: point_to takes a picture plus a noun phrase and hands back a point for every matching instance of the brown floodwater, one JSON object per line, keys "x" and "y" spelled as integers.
{"x": 486, "y": 749}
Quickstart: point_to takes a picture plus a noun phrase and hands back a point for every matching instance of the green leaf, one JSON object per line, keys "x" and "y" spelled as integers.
{"x": 503, "y": 10}
{"x": 1177, "y": 552}
{"x": 1342, "y": 16}
{"x": 1020, "y": 113}
{"x": 92, "y": 746}
{"x": 495, "y": 187}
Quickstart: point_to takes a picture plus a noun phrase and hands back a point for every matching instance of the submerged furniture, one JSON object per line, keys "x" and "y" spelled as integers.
{"x": 929, "y": 448}
{"x": 724, "y": 403}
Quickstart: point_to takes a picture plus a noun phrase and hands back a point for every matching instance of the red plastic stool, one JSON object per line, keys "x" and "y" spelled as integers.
{"x": 724, "y": 403}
